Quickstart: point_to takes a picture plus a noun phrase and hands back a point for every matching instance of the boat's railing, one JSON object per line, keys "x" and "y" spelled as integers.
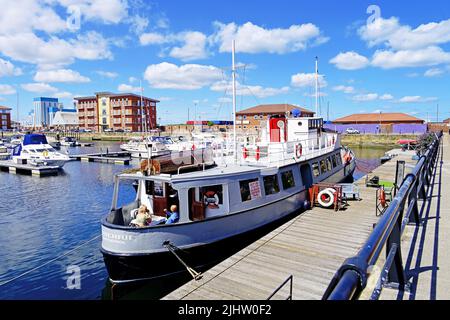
{"x": 278, "y": 153}
{"x": 352, "y": 277}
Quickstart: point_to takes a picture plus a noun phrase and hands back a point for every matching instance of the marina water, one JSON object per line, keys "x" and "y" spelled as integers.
{"x": 50, "y": 226}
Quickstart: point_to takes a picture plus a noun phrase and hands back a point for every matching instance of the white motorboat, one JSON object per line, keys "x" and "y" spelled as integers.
{"x": 144, "y": 148}
{"x": 35, "y": 150}
{"x": 69, "y": 142}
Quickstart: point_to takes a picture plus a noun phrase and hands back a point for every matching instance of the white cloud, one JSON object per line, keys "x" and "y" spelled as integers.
{"x": 350, "y": 61}
{"x": 345, "y": 89}
{"x": 152, "y": 38}
{"x": 108, "y": 12}
{"x": 6, "y": 89}
{"x": 251, "y": 38}
{"x": 132, "y": 79}
{"x": 194, "y": 47}
{"x": 433, "y": 72}
{"x": 386, "y": 97}
{"x": 39, "y": 87}
{"x": 28, "y": 15}
{"x": 416, "y": 99}
{"x": 107, "y": 74}
{"x": 430, "y": 56}
{"x": 365, "y": 97}
{"x": 248, "y": 90}
{"x": 402, "y": 37}
{"x": 301, "y": 80}
{"x": 63, "y": 95}
{"x": 193, "y": 44}
{"x": 61, "y": 75}
{"x": 128, "y": 88}
{"x": 188, "y": 77}
{"x": 54, "y": 52}
{"x": 8, "y": 69}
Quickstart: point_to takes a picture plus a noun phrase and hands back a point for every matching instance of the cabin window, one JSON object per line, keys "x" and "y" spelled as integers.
{"x": 271, "y": 185}
{"x": 315, "y": 168}
{"x": 338, "y": 160}
{"x": 333, "y": 159}
{"x": 250, "y": 189}
{"x": 323, "y": 166}
{"x": 329, "y": 165}
{"x": 288, "y": 180}
{"x": 212, "y": 196}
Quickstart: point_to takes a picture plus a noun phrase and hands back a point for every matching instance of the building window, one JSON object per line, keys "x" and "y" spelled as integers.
{"x": 271, "y": 185}
{"x": 287, "y": 178}
{"x": 250, "y": 190}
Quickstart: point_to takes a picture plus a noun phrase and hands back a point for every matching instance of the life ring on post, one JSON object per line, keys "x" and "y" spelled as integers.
{"x": 245, "y": 153}
{"x": 326, "y": 197}
{"x": 211, "y": 200}
{"x": 298, "y": 150}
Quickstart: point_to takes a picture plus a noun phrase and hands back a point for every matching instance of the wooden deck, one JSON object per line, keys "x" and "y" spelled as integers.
{"x": 311, "y": 247}
{"x": 39, "y": 171}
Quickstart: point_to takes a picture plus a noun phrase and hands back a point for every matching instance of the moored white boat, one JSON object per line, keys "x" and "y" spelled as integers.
{"x": 266, "y": 182}
{"x": 37, "y": 151}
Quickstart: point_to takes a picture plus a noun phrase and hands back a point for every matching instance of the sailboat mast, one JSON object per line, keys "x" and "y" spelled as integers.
{"x": 234, "y": 102}
{"x": 317, "y": 86}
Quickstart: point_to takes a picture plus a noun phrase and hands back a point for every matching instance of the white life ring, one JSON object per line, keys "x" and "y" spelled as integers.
{"x": 210, "y": 200}
{"x": 326, "y": 197}
{"x": 298, "y": 150}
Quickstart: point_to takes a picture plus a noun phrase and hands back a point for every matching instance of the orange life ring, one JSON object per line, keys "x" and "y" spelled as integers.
{"x": 258, "y": 155}
{"x": 382, "y": 197}
{"x": 245, "y": 153}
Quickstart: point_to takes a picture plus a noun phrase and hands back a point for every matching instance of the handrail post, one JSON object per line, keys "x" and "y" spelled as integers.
{"x": 396, "y": 275}
{"x": 414, "y": 215}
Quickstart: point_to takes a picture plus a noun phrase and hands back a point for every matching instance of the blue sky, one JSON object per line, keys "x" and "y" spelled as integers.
{"x": 396, "y": 58}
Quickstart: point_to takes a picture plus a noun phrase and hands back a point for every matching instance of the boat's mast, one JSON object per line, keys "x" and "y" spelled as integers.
{"x": 234, "y": 102}
{"x": 317, "y": 86}
{"x": 143, "y": 117}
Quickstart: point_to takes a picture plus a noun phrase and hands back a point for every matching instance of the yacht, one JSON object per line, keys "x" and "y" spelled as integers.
{"x": 144, "y": 148}
{"x": 69, "y": 142}
{"x": 219, "y": 200}
{"x": 36, "y": 150}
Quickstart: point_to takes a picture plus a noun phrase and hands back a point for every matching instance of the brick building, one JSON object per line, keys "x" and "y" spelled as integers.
{"x": 107, "y": 110}
{"x": 5, "y": 118}
{"x": 250, "y": 119}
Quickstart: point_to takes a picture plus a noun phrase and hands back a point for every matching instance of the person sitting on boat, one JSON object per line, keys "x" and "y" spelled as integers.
{"x": 143, "y": 217}
{"x": 172, "y": 216}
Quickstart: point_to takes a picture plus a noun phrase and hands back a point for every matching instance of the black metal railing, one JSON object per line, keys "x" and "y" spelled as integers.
{"x": 351, "y": 279}
{"x": 289, "y": 280}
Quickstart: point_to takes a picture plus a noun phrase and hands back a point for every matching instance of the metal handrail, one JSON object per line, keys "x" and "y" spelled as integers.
{"x": 289, "y": 279}
{"x": 350, "y": 280}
